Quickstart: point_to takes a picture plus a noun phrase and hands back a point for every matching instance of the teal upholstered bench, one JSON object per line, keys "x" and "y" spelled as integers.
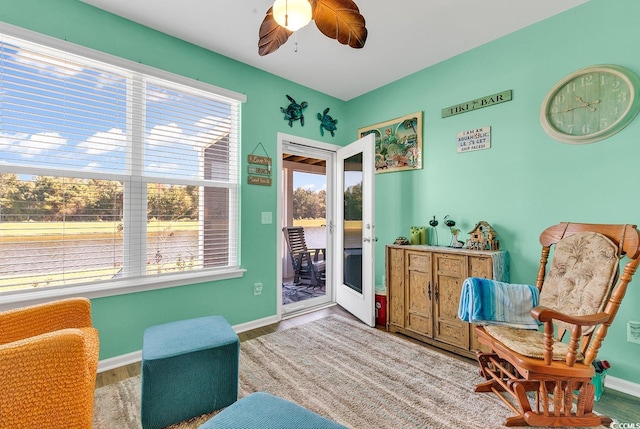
{"x": 189, "y": 368}
{"x": 262, "y": 410}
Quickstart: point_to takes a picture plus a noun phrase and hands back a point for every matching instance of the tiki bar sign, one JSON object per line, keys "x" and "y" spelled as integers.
{"x": 478, "y": 103}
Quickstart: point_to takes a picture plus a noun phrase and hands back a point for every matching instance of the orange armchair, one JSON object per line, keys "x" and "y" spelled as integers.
{"x": 48, "y": 364}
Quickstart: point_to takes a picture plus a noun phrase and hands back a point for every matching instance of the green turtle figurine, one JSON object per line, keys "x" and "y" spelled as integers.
{"x": 327, "y": 123}
{"x": 293, "y": 111}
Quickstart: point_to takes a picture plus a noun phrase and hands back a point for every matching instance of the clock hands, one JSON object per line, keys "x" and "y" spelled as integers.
{"x": 586, "y": 104}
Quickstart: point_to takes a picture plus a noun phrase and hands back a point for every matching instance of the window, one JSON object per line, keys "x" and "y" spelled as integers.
{"x": 109, "y": 173}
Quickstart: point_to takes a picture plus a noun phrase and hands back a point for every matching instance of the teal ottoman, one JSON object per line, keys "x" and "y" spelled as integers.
{"x": 262, "y": 410}
{"x": 189, "y": 368}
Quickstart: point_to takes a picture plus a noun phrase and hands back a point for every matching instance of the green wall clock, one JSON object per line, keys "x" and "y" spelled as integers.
{"x": 591, "y": 104}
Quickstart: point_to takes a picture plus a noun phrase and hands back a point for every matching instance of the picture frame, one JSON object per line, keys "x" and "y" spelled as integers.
{"x": 398, "y": 143}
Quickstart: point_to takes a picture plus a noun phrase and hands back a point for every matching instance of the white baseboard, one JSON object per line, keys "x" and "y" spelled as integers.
{"x": 621, "y": 385}
{"x": 119, "y": 361}
{"x": 134, "y": 357}
{"x": 254, "y": 324}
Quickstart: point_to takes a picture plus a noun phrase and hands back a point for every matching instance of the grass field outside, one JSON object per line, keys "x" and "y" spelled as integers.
{"x": 313, "y": 223}
{"x": 9, "y": 231}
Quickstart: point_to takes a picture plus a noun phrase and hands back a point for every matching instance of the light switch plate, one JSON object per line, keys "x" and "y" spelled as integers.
{"x": 266, "y": 218}
{"x": 257, "y": 288}
{"x": 633, "y": 332}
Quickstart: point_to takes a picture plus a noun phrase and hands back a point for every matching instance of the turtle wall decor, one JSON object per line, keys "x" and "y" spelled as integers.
{"x": 293, "y": 111}
{"x": 327, "y": 123}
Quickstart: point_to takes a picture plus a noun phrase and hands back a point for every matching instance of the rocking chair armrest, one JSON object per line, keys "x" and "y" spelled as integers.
{"x": 316, "y": 254}
{"x": 302, "y": 256}
{"x": 544, "y": 314}
{"x": 547, "y": 316}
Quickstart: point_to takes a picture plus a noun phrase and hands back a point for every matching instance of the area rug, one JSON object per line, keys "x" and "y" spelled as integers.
{"x": 361, "y": 377}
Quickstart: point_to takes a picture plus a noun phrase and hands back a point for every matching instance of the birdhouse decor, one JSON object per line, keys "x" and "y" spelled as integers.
{"x": 483, "y": 237}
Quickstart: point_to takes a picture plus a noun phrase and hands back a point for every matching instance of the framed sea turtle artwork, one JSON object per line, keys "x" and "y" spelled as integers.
{"x": 398, "y": 143}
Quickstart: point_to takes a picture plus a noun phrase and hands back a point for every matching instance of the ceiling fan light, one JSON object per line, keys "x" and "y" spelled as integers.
{"x": 292, "y": 14}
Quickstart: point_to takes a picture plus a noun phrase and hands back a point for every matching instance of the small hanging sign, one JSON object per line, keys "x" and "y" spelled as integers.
{"x": 256, "y": 159}
{"x": 474, "y": 139}
{"x": 478, "y": 103}
{"x": 259, "y": 180}
{"x": 259, "y": 168}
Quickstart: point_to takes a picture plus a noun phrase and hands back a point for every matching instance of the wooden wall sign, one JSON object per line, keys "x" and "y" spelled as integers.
{"x": 478, "y": 103}
{"x": 259, "y": 180}
{"x": 259, "y": 170}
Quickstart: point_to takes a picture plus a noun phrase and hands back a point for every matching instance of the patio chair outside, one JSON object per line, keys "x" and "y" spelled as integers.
{"x": 308, "y": 264}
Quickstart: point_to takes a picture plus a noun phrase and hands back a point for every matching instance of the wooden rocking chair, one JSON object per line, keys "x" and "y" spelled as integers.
{"x": 308, "y": 264}
{"x": 581, "y": 295}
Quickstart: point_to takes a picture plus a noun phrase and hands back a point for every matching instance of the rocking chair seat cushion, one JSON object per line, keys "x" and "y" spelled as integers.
{"x": 528, "y": 342}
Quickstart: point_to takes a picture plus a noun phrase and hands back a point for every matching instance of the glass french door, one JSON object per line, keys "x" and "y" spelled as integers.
{"x": 355, "y": 234}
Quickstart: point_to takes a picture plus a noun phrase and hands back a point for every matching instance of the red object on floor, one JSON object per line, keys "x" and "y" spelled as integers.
{"x": 381, "y": 309}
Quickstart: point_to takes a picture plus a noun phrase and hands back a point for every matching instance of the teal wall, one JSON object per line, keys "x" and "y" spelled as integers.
{"x": 122, "y": 319}
{"x": 524, "y": 183}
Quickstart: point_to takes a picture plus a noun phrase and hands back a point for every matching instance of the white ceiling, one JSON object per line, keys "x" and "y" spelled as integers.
{"x": 404, "y": 35}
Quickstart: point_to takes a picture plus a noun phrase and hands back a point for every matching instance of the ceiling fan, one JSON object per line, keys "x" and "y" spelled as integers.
{"x": 336, "y": 19}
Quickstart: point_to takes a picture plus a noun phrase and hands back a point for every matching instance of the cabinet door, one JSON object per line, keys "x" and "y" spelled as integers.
{"x": 479, "y": 266}
{"x": 450, "y": 271}
{"x": 418, "y": 292}
{"x": 395, "y": 286}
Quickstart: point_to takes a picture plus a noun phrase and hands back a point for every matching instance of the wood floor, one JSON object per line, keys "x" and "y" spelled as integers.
{"x": 620, "y": 406}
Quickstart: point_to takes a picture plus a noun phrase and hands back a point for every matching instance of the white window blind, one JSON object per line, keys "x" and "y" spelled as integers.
{"x": 109, "y": 173}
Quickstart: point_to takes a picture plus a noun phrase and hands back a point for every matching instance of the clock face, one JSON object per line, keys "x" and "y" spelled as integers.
{"x": 591, "y": 104}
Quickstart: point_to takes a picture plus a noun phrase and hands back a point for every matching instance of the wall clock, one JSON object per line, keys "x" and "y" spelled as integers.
{"x": 591, "y": 104}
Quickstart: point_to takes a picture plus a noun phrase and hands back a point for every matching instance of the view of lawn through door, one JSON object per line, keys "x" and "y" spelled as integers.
{"x": 306, "y": 207}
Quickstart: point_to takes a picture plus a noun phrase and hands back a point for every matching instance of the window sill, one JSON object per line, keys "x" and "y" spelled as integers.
{"x": 113, "y": 288}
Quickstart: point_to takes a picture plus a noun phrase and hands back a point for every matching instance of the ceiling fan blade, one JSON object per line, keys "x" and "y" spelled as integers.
{"x": 340, "y": 20}
{"x": 272, "y": 36}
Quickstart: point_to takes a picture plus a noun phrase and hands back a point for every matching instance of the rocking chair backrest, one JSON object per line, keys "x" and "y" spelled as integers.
{"x": 296, "y": 242}
{"x": 308, "y": 264}
{"x": 584, "y": 271}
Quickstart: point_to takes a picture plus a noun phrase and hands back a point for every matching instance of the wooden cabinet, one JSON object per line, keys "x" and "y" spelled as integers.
{"x": 423, "y": 292}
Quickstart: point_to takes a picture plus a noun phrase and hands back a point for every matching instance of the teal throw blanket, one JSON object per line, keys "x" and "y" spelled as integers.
{"x": 485, "y": 301}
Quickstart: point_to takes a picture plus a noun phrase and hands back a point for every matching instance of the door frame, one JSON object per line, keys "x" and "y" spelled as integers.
{"x": 283, "y": 138}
